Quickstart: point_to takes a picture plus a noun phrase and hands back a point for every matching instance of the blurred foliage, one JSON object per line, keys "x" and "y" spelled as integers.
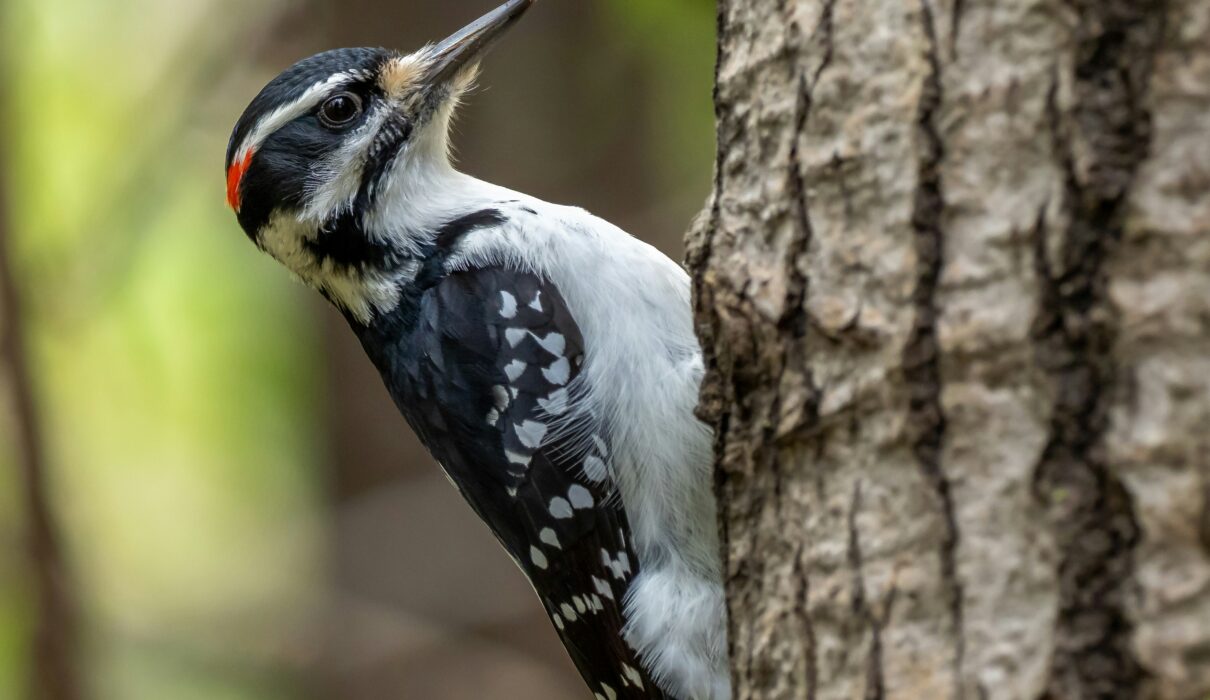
{"x": 178, "y": 372}
{"x": 676, "y": 39}
{"x": 175, "y": 369}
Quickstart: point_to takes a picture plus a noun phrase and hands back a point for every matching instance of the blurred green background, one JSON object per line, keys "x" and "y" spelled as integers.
{"x": 241, "y": 511}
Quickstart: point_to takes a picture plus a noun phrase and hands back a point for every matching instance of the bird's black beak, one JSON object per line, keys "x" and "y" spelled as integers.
{"x": 472, "y": 41}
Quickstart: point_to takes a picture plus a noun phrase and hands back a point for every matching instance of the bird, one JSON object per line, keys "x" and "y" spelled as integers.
{"x": 545, "y": 358}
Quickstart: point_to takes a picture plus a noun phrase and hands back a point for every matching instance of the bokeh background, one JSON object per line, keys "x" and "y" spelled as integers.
{"x": 204, "y": 490}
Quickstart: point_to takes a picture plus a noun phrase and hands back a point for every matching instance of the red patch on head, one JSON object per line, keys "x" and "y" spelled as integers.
{"x": 235, "y": 174}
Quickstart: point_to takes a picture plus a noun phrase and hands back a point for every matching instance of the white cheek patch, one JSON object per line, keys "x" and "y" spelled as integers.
{"x": 336, "y": 179}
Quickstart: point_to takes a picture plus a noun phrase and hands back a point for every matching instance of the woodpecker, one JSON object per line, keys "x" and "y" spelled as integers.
{"x": 545, "y": 358}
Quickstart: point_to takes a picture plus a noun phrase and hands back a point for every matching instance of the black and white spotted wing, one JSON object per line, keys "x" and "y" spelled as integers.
{"x": 484, "y": 371}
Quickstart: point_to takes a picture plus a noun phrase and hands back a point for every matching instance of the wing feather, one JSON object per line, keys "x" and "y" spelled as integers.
{"x": 490, "y": 387}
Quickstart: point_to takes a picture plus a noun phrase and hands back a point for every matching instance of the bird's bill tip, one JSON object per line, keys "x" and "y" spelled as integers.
{"x": 472, "y": 41}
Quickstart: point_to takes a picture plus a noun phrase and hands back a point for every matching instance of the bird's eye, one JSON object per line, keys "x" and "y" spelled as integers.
{"x": 340, "y": 110}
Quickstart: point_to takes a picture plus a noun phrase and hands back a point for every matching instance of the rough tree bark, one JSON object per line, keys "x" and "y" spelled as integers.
{"x": 954, "y": 292}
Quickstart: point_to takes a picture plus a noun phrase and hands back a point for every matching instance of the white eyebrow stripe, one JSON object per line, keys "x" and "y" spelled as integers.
{"x": 289, "y": 112}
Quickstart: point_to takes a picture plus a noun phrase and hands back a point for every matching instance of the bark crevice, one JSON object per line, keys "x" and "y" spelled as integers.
{"x": 875, "y": 688}
{"x": 1100, "y": 143}
{"x": 802, "y": 608}
{"x": 957, "y": 12}
{"x": 921, "y": 355}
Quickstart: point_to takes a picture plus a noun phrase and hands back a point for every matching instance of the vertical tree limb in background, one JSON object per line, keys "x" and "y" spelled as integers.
{"x": 954, "y": 292}
{"x": 53, "y": 672}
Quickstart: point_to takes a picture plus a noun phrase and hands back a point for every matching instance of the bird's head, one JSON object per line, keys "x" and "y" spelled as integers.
{"x": 339, "y": 156}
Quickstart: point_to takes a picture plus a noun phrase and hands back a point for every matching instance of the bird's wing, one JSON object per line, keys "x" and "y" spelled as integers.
{"x": 490, "y": 385}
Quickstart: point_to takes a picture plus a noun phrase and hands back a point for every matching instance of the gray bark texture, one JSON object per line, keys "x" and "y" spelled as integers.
{"x": 953, "y": 288}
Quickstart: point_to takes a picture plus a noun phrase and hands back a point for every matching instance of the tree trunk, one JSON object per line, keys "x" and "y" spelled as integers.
{"x": 954, "y": 293}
